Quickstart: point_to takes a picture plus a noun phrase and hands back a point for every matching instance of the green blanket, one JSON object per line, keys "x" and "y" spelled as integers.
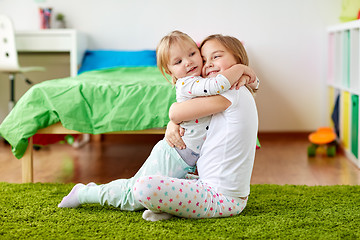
{"x": 95, "y": 102}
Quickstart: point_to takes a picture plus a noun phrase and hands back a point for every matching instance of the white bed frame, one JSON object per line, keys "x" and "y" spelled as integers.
{"x": 27, "y": 160}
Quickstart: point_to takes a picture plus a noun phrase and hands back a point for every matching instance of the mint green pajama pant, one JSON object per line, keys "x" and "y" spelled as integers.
{"x": 163, "y": 161}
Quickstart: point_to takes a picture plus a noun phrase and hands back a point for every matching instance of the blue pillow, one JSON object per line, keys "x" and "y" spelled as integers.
{"x": 101, "y": 59}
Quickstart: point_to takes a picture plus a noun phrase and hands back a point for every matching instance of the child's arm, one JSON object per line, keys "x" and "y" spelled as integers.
{"x": 245, "y": 80}
{"x": 197, "y": 86}
{"x": 234, "y": 73}
{"x": 189, "y": 110}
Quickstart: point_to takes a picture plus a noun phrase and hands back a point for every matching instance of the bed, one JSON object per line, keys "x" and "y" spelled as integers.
{"x": 117, "y": 98}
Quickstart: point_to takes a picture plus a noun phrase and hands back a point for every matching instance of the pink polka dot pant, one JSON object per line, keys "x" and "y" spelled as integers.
{"x": 185, "y": 198}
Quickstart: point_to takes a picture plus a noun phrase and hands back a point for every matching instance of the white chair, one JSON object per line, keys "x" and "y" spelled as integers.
{"x": 8, "y": 57}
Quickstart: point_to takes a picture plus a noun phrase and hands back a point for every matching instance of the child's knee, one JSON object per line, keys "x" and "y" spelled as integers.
{"x": 143, "y": 188}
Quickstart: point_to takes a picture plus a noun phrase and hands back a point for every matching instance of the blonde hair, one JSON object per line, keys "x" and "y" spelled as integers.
{"x": 163, "y": 48}
{"x": 234, "y": 46}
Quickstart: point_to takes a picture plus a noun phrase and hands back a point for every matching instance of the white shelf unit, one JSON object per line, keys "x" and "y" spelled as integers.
{"x": 343, "y": 80}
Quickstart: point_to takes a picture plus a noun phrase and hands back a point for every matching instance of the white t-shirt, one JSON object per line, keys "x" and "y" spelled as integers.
{"x": 227, "y": 156}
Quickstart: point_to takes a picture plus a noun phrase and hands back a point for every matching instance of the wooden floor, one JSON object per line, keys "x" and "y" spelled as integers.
{"x": 281, "y": 160}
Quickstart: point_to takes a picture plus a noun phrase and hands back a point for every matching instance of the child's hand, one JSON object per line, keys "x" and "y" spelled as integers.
{"x": 234, "y": 73}
{"x": 249, "y": 72}
{"x": 244, "y": 79}
{"x": 173, "y": 135}
{"x": 254, "y": 85}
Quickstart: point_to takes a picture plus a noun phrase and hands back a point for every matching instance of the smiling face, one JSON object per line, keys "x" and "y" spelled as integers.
{"x": 216, "y": 58}
{"x": 184, "y": 60}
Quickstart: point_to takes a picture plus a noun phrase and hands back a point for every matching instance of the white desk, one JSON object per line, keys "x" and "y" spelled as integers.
{"x": 54, "y": 40}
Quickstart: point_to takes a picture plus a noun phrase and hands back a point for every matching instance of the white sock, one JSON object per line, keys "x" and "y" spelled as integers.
{"x": 71, "y": 200}
{"x": 91, "y": 184}
{"x": 149, "y": 215}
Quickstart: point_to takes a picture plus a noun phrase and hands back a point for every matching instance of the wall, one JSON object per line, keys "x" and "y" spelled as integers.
{"x": 286, "y": 42}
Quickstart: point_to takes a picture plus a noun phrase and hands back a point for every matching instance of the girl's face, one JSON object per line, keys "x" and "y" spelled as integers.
{"x": 216, "y": 58}
{"x": 185, "y": 60}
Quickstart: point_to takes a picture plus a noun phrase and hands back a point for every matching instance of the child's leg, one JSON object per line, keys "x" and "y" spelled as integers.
{"x": 72, "y": 199}
{"x": 185, "y": 198}
{"x": 163, "y": 160}
{"x": 116, "y": 193}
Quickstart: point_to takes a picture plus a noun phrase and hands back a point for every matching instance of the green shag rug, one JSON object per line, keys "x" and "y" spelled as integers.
{"x": 29, "y": 211}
